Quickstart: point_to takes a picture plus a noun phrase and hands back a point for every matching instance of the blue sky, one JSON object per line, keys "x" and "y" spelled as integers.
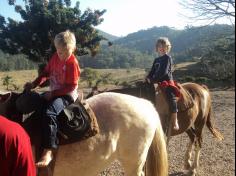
{"x": 125, "y": 16}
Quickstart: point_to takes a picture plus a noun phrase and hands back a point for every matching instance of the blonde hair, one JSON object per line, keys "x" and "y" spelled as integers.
{"x": 65, "y": 39}
{"x": 164, "y": 42}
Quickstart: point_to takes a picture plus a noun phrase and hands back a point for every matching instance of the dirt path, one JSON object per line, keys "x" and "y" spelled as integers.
{"x": 217, "y": 158}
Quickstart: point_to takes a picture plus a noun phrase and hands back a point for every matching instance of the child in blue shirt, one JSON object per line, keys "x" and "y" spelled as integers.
{"x": 161, "y": 73}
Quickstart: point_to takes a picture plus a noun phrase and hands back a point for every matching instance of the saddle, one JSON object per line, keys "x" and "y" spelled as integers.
{"x": 184, "y": 101}
{"x": 75, "y": 123}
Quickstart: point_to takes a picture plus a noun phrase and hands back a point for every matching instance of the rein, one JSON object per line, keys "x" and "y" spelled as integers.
{"x": 140, "y": 92}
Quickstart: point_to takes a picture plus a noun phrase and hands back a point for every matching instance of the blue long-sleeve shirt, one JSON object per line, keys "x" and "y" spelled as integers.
{"x": 161, "y": 69}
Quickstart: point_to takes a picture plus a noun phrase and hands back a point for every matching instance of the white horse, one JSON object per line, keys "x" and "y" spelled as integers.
{"x": 130, "y": 131}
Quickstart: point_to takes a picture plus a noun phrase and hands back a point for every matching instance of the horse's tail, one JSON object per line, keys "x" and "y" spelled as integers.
{"x": 210, "y": 126}
{"x": 157, "y": 160}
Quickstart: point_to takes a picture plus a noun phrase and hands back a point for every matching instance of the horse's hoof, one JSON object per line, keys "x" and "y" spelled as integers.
{"x": 188, "y": 166}
{"x": 190, "y": 172}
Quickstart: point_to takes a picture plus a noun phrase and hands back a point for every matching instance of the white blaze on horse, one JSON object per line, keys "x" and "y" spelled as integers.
{"x": 130, "y": 131}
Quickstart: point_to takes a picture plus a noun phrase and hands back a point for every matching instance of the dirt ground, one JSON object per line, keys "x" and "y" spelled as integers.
{"x": 217, "y": 158}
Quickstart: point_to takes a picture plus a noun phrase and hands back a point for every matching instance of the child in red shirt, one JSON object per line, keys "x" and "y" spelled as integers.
{"x": 63, "y": 73}
{"x": 16, "y": 157}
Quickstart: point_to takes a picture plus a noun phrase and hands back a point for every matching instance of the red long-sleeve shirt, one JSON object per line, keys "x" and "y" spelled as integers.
{"x": 16, "y": 157}
{"x": 63, "y": 75}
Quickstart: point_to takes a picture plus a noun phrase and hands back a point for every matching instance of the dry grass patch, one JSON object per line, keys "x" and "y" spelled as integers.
{"x": 19, "y": 78}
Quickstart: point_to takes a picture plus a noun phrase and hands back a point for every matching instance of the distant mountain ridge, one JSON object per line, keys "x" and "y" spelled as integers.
{"x": 108, "y": 36}
{"x": 211, "y": 46}
{"x": 181, "y": 40}
{"x": 144, "y": 40}
{"x": 138, "y": 49}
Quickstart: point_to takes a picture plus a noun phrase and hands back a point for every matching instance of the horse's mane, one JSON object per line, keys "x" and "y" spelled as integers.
{"x": 135, "y": 84}
{"x": 137, "y": 88}
{"x": 7, "y": 101}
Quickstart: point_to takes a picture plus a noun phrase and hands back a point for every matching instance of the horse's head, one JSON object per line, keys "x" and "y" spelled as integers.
{"x": 8, "y": 106}
{"x": 4, "y": 101}
{"x": 147, "y": 90}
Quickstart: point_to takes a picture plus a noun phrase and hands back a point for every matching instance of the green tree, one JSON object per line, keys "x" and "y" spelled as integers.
{"x": 90, "y": 76}
{"x": 104, "y": 79}
{"x": 42, "y": 20}
{"x": 219, "y": 63}
{"x": 6, "y": 81}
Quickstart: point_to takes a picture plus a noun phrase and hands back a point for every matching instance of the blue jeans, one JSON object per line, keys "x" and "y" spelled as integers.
{"x": 50, "y": 112}
{"x": 171, "y": 99}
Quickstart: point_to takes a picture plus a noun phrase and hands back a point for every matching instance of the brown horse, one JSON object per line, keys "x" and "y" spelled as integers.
{"x": 130, "y": 132}
{"x": 191, "y": 120}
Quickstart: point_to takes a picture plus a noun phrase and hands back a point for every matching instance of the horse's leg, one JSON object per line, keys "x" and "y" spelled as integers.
{"x": 188, "y": 154}
{"x": 168, "y": 136}
{"x": 197, "y": 154}
{"x": 196, "y": 160}
{"x": 133, "y": 165}
{"x": 132, "y": 168}
{"x": 198, "y": 146}
{"x": 168, "y": 130}
{"x": 137, "y": 152}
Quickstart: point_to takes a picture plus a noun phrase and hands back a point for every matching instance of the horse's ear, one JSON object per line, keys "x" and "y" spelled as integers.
{"x": 139, "y": 83}
{"x": 95, "y": 88}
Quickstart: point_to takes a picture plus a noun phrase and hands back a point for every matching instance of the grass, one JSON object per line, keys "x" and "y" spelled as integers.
{"x": 19, "y": 78}
{"x": 120, "y": 76}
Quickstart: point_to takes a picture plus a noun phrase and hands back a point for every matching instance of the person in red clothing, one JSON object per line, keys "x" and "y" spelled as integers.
{"x": 63, "y": 73}
{"x": 16, "y": 157}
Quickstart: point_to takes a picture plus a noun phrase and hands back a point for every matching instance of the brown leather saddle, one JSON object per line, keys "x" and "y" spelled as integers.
{"x": 76, "y": 122}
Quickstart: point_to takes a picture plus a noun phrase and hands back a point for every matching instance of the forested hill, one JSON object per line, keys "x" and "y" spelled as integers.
{"x": 138, "y": 49}
{"x": 108, "y": 36}
{"x": 187, "y": 43}
{"x": 212, "y": 47}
